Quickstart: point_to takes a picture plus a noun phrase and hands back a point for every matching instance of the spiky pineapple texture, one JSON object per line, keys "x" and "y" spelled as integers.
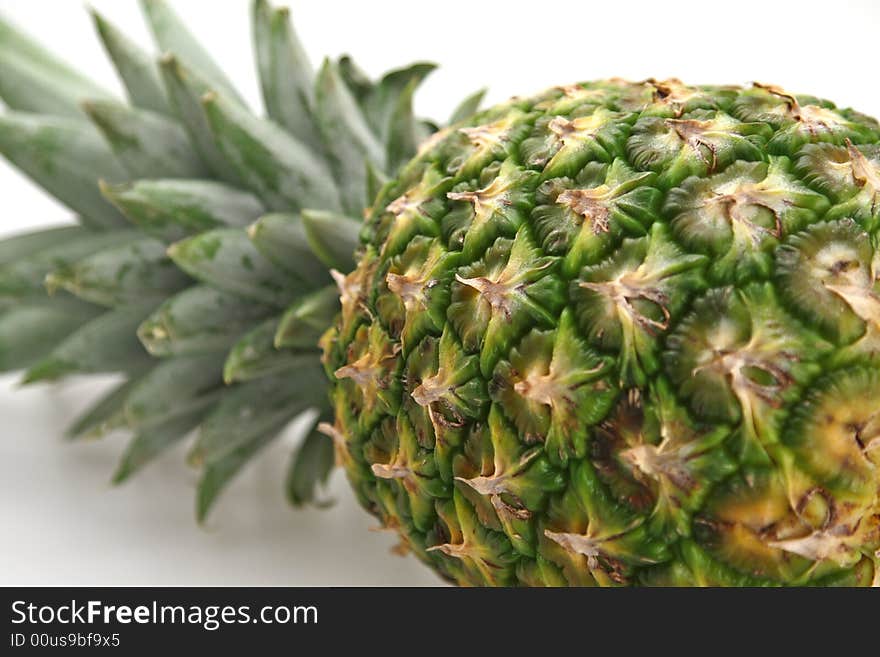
{"x": 198, "y": 268}
{"x": 623, "y": 333}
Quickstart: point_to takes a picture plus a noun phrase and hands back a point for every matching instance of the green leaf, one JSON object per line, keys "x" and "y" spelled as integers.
{"x": 468, "y": 107}
{"x": 149, "y": 145}
{"x": 150, "y": 442}
{"x": 401, "y": 142}
{"x": 255, "y": 356}
{"x": 136, "y": 271}
{"x": 103, "y": 416}
{"x": 172, "y": 36}
{"x": 26, "y": 276}
{"x": 270, "y": 162}
{"x": 306, "y": 320}
{"x": 199, "y": 320}
{"x": 177, "y": 386}
{"x": 136, "y": 68}
{"x": 376, "y": 180}
{"x": 310, "y": 468}
{"x": 185, "y": 90}
{"x": 65, "y": 158}
{"x": 357, "y": 81}
{"x": 286, "y": 76}
{"x": 347, "y": 136}
{"x": 173, "y": 209}
{"x": 24, "y": 245}
{"x": 103, "y": 345}
{"x": 247, "y": 420}
{"x": 251, "y": 410}
{"x": 34, "y": 80}
{"x": 282, "y": 239}
{"x": 216, "y": 476}
{"x": 332, "y": 237}
{"x": 380, "y": 104}
{"x": 27, "y": 332}
{"x": 226, "y": 259}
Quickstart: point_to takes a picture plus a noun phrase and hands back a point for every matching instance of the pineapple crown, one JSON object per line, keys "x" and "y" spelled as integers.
{"x": 201, "y": 263}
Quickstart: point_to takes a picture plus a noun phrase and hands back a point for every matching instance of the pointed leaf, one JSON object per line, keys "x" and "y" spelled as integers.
{"x": 26, "y": 276}
{"x": 286, "y": 76}
{"x": 66, "y": 158}
{"x": 380, "y": 104}
{"x": 136, "y": 68}
{"x": 307, "y": 319}
{"x": 232, "y": 440}
{"x": 348, "y": 137}
{"x": 270, "y": 162}
{"x": 468, "y": 107}
{"x": 255, "y": 356}
{"x": 199, "y": 320}
{"x": 226, "y": 259}
{"x": 150, "y": 442}
{"x": 174, "y": 387}
{"x": 216, "y": 476}
{"x": 23, "y": 245}
{"x": 34, "y": 80}
{"x": 103, "y": 345}
{"x": 172, "y": 36}
{"x": 173, "y": 209}
{"x": 401, "y": 142}
{"x": 358, "y": 82}
{"x": 250, "y": 410}
{"x": 149, "y": 145}
{"x": 185, "y": 90}
{"x": 29, "y": 332}
{"x": 136, "y": 271}
{"x": 332, "y": 237}
{"x": 309, "y": 469}
{"x": 376, "y": 180}
{"x": 282, "y": 239}
{"x": 104, "y": 415}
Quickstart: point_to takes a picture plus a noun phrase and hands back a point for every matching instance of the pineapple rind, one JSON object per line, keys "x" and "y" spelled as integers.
{"x": 644, "y": 352}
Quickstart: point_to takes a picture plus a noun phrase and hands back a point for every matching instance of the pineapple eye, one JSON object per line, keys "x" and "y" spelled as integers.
{"x": 824, "y": 276}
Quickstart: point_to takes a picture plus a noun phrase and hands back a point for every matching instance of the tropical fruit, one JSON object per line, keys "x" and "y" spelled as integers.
{"x": 623, "y": 333}
{"x": 618, "y": 333}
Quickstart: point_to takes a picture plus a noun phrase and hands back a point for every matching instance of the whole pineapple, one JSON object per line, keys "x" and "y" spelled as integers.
{"x": 619, "y": 333}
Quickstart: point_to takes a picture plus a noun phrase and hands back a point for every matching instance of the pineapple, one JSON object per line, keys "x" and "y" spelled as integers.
{"x": 623, "y": 333}
{"x": 618, "y": 333}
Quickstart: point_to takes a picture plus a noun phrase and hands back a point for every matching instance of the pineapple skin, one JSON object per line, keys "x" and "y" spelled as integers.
{"x": 623, "y": 334}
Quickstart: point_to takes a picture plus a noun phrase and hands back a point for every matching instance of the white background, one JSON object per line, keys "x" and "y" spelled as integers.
{"x": 61, "y": 523}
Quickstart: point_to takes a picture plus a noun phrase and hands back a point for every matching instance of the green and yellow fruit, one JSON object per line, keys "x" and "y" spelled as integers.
{"x": 619, "y": 333}
{"x": 623, "y": 333}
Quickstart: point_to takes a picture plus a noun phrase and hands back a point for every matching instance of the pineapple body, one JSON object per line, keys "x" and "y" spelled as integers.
{"x": 623, "y": 333}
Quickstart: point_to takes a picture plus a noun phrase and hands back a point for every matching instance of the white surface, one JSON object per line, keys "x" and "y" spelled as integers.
{"x": 60, "y": 523}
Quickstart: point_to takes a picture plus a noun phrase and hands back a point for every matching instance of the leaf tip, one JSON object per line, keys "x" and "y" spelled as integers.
{"x": 56, "y": 280}
{"x": 229, "y": 373}
{"x": 47, "y": 370}
{"x": 253, "y": 230}
{"x": 169, "y": 62}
